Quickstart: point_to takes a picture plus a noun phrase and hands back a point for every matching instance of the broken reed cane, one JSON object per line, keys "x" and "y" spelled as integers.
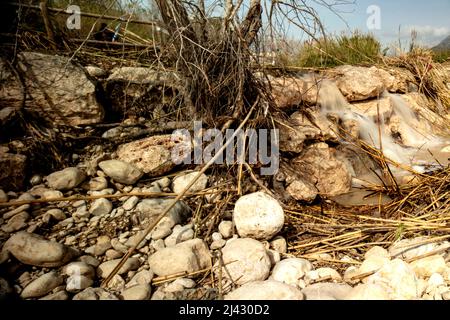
{"x": 180, "y": 195}
{"x": 47, "y": 23}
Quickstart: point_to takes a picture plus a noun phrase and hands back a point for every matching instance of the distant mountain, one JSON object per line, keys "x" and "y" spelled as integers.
{"x": 443, "y": 46}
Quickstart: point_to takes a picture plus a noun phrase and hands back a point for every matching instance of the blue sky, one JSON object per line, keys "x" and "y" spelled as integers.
{"x": 430, "y": 18}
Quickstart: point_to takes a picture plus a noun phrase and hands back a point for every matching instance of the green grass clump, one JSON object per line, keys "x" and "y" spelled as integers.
{"x": 441, "y": 56}
{"x": 354, "y": 49}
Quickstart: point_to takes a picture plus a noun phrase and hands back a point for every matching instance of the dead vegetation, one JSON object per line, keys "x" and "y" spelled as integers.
{"x": 218, "y": 68}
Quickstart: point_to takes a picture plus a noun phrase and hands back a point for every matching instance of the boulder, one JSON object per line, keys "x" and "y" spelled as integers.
{"x": 132, "y": 83}
{"x": 149, "y": 209}
{"x": 245, "y": 260}
{"x": 397, "y": 80}
{"x": 60, "y": 90}
{"x": 42, "y": 285}
{"x": 34, "y": 250}
{"x": 16, "y": 223}
{"x": 121, "y": 171}
{"x": 182, "y": 181}
{"x": 152, "y": 155}
{"x": 320, "y": 167}
{"x": 101, "y": 207}
{"x": 291, "y": 92}
{"x": 189, "y": 256}
{"x": 258, "y": 216}
{"x": 360, "y": 83}
{"x": 66, "y": 179}
{"x": 383, "y": 107}
{"x": 302, "y": 191}
{"x": 265, "y": 290}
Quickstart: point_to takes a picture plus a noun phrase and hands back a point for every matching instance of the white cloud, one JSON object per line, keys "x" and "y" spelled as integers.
{"x": 428, "y": 31}
{"x": 428, "y": 36}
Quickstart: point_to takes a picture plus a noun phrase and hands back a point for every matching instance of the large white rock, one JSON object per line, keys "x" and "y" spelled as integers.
{"x": 42, "y": 285}
{"x": 181, "y": 182}
{"x": 121, "y": 171}
{"x": 360, "y": 83}
{"x": 258, "y": 216}
{"x": 326, "y": 291}
{"x": 398, "y": 278}
{"x": 245, "y": 260}
{"x": 291, "y": 270}
{"x": 66, "y": 179}
{"x": 265, "y": 290}
{"x": 34, "y": 250}
{"x": 189, "y": 256}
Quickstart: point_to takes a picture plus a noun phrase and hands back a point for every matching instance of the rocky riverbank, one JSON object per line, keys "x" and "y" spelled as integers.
{"x": 63, "y": 232}
{"x": 65, "y": 249}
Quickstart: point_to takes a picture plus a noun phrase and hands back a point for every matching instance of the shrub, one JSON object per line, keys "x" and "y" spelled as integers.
{"x": 353, "y": 49}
